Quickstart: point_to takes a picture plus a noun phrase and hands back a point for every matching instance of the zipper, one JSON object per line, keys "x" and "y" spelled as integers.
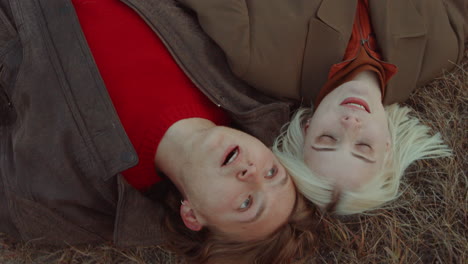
{"x": 210, "y": 96}
{"x": 361, "y": 34}
{"x": 362, "y": 40}
{"x": 365, "y": 41}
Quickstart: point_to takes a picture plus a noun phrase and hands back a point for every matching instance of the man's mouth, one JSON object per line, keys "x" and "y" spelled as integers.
{"x": 356, "y": 103}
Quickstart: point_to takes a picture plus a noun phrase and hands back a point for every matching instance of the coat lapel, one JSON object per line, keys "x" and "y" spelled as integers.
{"x": 338, "y": 14}
{"x": 327, "y": 38}
{"x": 401, "y": 36}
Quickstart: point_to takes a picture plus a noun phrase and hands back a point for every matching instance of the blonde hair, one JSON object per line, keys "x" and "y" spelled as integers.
{"x": 410, "y": 142}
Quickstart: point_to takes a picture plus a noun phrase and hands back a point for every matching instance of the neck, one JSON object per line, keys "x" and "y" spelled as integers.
{"x": 371, "y": 81}
{"x": 175, "y": 147}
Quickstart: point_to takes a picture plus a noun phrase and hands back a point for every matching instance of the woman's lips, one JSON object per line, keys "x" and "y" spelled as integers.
{"x": 356, "y": 103}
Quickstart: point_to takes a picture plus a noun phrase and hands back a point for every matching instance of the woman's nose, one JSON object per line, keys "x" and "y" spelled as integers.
{"x": 350, "y": 122}
{"x": 248, "y": 173}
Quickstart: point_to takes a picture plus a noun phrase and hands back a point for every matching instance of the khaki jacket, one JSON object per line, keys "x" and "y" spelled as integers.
{"x": 62, "y": 146}
{"x": 286, "y": 48}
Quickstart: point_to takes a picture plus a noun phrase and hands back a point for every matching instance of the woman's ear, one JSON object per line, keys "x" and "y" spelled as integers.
{"x": 388, "y": 145}
{"x": 189, "y": 218}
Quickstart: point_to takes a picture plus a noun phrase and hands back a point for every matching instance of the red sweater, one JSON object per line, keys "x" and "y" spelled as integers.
{"x": 148, "y": 89}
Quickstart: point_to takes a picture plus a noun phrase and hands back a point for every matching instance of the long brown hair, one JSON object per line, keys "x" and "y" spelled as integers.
{"x": 296, "y": 239}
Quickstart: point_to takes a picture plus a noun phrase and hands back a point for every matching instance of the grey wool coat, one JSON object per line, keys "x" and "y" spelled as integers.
{"x": 62, "y": 146}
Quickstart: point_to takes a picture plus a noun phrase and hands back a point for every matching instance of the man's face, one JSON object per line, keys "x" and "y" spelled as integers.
{"x": 236, "y": 185}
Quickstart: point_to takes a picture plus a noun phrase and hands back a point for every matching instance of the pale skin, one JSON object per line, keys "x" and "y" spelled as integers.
{"x": 230, "y": 181}
{"x": 347, "y": 138}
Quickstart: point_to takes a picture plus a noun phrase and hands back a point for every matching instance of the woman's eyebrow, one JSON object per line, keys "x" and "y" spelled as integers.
{"x": 322, "y": 148}
{"x": 363, "y": 158}
{"x": 359, "y": 156}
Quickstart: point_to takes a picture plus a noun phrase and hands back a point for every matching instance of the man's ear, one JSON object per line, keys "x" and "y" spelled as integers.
{"x": 306, "y": 126}
{"x": 189, "y": 218}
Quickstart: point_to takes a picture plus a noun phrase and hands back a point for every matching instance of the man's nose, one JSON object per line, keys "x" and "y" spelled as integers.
{"x": 248, "y": 172}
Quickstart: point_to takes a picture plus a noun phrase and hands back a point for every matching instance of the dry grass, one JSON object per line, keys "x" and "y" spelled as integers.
{"x": 427, "y": 224}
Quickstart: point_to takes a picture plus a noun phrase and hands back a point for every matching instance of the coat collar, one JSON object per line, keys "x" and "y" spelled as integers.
{"x": 338, "y": 14}
{"x": 401, "y": 35}
{"x": 400, "y": 32}
{"x": 400, "y": 16}
{"x": 138, "y": 219}
{"x": 328, "y": 35}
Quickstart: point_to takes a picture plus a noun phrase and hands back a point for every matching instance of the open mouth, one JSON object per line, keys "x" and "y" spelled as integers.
{"x": 231, "y": 155}
{"x": 356, "y": 103}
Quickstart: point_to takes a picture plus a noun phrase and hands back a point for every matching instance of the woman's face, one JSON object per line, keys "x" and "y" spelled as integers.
{"x": 347, "y": 138}
{"x": 234, "y": 184}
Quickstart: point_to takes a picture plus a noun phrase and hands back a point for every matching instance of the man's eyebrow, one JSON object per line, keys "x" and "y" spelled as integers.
{"x": 257, "y": 215}
{"x": 362, "y": 158}
{"x": 284, "y": 180}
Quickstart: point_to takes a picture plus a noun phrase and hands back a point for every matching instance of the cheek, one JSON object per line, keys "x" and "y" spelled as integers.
{"x": 308, "y": 157}
{"x": 379, "y": 133}
{"x": 327, "y": 122}
{"x": 284, "y": 201}
{"x": 310, "y": 134}
{"x": 219, "y": 196}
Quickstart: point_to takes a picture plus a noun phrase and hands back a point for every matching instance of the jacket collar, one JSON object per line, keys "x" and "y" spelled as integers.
{"x": 328, "y": 35}
{"x": 338, "y": 14}
{"x": 401, "y": 35}
{"x": 399, "y": 28}
{"x": 138, "y": 219}
{"x": 401, "y": 17}
{"x": 84, "y": 89}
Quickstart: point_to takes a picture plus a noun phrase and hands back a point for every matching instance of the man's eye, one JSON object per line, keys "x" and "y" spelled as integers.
{"x": 246, "y": 204}
{"x": 231, "y": 156}
{"x": 272, "y": 172}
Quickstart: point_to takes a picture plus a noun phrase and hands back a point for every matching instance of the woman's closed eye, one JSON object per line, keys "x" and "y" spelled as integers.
{"x": 246, "y": 204}
{"x": 328, "y": 137}
{"x": 365, "y": 152}
{"x": 364, "y": 147}
{"x": 326, "y": 140}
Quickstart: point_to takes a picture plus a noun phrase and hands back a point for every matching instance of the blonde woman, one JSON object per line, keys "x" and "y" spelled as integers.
{"x": 351, "y": 60}
{"x": 352, "y": 161}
